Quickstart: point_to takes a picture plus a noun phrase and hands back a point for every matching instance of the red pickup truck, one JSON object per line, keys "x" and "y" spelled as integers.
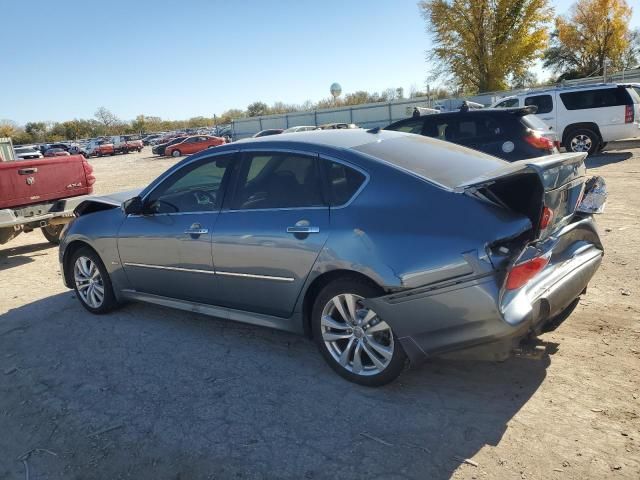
{"x": 42, "y": 194}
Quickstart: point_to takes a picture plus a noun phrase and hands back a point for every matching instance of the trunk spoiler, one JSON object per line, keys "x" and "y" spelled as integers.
{"x": 554, "y": 171}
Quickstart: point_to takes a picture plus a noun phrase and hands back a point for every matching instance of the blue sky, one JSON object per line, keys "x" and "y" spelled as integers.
{"x": 63, "y": 59}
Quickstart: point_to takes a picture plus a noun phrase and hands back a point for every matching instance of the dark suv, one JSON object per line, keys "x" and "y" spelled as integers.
{"x": 507, "y": 133}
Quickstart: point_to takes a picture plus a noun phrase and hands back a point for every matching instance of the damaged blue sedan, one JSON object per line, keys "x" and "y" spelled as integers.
{"x": 385, "y": 247}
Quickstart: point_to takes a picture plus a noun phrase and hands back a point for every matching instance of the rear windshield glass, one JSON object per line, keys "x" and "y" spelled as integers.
{"x": 443, "y": 163}
{"x": 533, "y": 122}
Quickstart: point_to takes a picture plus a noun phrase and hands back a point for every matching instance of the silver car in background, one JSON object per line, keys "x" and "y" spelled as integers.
{"x": 384, "y": 247}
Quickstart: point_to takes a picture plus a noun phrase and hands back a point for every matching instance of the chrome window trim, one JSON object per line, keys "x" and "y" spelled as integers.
{"x": 211, "y": 272}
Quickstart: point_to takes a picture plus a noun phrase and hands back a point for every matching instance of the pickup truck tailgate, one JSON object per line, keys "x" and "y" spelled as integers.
{"x": 26, "y": 182}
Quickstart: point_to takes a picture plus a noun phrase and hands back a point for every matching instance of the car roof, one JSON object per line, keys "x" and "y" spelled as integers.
{"x": 442, "y": 163}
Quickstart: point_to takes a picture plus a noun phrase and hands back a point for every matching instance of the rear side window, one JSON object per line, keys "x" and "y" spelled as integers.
{"x": 410, "y": 126}
{"x": 543, "y": 102}
{"x": 344, "y": 182}
{"x": 602, "y": 97}
{"x": 278, "y": 180}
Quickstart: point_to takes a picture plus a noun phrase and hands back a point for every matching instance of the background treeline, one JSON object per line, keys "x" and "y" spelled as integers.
{"x": 107, "y": 123}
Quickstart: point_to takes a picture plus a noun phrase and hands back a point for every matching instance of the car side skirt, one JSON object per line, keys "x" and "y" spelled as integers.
{"x": 291, "y": 324}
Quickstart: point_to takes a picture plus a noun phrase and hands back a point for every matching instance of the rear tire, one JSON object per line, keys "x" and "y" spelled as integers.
{"x": 176, "y": 153}
{"x": 354, "y": 341}
{"x": 582, "y": 140}
{"x": 52, "y": 233}
{"x": 91, "y": 281}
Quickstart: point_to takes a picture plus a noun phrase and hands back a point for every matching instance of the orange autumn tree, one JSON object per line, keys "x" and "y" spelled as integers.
{"x": 595, "y": 32}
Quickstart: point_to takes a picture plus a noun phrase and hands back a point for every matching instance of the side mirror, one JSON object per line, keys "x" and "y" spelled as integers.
{"x": 133, "y": 206}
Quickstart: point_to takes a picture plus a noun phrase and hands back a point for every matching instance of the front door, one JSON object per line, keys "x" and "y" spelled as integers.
{"x": 270, "y": 232}
{"x": 167, "y": 250}
{"x": 546, "y": 111}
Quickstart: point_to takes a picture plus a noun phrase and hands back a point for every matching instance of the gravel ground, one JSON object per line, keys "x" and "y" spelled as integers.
{"x": 152, "y": 393}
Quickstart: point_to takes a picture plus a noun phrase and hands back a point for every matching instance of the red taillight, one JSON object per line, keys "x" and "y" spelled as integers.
{"x": 546, "y": 217}
{"x": 520, "y": 274}
{"x": 88, "y": 172}
{"x": 538, "y": 141}
{"x": 628, "y": 114}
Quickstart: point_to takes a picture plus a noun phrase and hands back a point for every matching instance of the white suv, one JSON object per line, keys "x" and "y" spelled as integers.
{"x": 585, "y": 117}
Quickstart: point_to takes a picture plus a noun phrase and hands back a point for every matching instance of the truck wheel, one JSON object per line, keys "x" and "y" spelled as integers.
{"x": 582, "y": 140}
{"x": 176, "y": 153}
{"x": 52, "y": 233}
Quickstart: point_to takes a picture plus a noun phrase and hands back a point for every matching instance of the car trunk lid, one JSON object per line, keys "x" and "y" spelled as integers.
{"x": 546, "y": 189}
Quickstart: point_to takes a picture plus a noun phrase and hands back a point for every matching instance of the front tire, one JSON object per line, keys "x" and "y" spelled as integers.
{"x": 583, "y": 140}
{"x": 52, "y": 233}
{"x": 175, "y": 153}
{"x": 354, "y": 341}
{"x": 91, "y": 281}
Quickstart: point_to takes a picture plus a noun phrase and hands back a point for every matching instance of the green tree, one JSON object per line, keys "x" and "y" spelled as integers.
{"x": 480, "y": 44}
{"x": 595, "y": 32}
{"x": 257, "y": 108}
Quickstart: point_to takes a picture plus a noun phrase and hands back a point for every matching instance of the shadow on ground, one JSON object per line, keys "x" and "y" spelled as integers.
{"x": 606, "y": 158}
{"x": 148, "y": 393}
{"x": 11, "y": 257}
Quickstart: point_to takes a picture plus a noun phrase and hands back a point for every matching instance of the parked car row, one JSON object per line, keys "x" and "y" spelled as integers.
{"x": 186, "y": 145}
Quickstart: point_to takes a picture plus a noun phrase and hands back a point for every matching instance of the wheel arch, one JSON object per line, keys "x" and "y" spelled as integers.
{"x": 69, "y": 250}
{"x": 569, "y": 129}
{"x": 319, "y": 283}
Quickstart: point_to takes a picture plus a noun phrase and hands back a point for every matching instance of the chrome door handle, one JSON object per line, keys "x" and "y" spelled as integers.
{"x": 303, "y": 229}
{"x": 196, "y": 229}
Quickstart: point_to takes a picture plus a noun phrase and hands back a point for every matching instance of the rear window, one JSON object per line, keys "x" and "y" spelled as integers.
{"x": 543, "y": 102}
{"x": 534, "y": 123}
{"x": 602, "y": 97}
{"x": 445, "y": 164}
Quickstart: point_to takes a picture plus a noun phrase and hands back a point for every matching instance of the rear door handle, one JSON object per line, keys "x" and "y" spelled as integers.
{"x": 303, "y": 229}
{"x": 27, "y": 171}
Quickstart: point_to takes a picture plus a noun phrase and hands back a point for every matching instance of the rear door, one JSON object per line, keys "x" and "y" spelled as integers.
{"x": 546, "y": 107}
{"x": 270, "y": 232}
{"x": 485, "y": 133}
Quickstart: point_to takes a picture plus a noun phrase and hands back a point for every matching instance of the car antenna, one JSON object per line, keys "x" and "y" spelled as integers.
{"x": 374, "y": 130}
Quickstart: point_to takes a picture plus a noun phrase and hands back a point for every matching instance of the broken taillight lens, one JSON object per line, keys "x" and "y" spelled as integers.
{"x": 521, "y": 273}
{"x": 546, "y": 217}
{"x": 628, "y": 114}
{"x": 538, "y": 141}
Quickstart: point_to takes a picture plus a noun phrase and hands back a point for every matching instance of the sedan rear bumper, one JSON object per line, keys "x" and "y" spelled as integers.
{"x": 445, "y": 318}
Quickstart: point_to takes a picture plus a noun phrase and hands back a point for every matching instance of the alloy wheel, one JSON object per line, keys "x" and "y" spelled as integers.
{"x": 89, "y": 282}
{"x": 355, "y": 336}
{"x": 581, "y": 143}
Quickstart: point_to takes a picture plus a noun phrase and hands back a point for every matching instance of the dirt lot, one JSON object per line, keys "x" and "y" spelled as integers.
{"x": 151, "y": 393}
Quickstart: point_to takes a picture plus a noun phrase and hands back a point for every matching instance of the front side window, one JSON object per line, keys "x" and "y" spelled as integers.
{"x": 278, "y": 180}
{"x": 194, "y": 188}
{"x": 344, "y": 182}
{"x": 543, "y": 102}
